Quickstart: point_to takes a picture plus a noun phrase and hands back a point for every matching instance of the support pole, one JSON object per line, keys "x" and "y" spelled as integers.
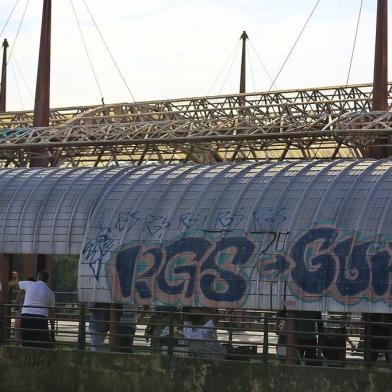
{"x": 291, "y": 339}
{"x": 5, "y": 276}
{"x": 244, "y": 37}
{"x": 28, "y": 266}
{"x": 5, "y": 310}
{"x": 3, "y": 90}
{"x": 380, "y": 80}
{"x": 40, "y": 156}
{"x": 114, "y": 338}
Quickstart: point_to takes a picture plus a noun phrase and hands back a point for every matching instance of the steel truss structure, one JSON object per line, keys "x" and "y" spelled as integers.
{"x": 328, "y": 122}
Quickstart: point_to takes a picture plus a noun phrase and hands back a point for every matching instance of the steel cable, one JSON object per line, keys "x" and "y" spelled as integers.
{"x": 23, "y": 77}
{"x": 262, "y": 64}
{"x": 355, "y": 42}
{"x": 108, "y": 50}
{"x": 251, "y": 70}
{"x": 295, "y": 44}
{"x": 232, "y": 53}
{"x": 17, "y": 86}
{"x": 229, "y": 70}
{"x": 18, "y": 31}
{"x": 87, "y": 52}
{"x": 9, "y": 17}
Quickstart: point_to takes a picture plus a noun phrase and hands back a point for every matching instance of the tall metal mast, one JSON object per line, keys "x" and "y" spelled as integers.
{"x": 42, "y": 92}
{"x": 380, "y": 80}
{"x": 40, "y": 156}
{"x": 244, "y": 37}
{"x": 3, "y": 89}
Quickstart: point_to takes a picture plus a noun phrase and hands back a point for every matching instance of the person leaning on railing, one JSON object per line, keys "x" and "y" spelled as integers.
{"x": 38, "y": 305}
{"x": 200, "y": 332}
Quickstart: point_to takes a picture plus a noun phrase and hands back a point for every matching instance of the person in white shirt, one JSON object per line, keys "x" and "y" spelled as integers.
{"x": 38, "y": 305}
{"x": 203, "y": 339}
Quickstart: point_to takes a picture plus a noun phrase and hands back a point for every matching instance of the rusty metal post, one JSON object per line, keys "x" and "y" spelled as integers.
{"x": 3, "y": 328}
{"x": 28, "y": 266}
{"x": 3, "y": 90}
{"x": 40, "y": 156}
{"x": 380, "y": 79}
{"x": 170, "y": 343}
{"x": 244, "y": 37}
{"x": 114, "y": 338}
{"x": 368, "y": 343}
{"x": 5, "y": 316}
{"x": 82, "y": 328}
{"x": 265, "y": 340}
{"x": 291, "y": 358}
{"x": 5, "y": 276}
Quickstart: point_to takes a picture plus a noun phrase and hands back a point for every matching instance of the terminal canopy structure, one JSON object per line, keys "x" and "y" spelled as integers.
{"x": 301, "y": 235}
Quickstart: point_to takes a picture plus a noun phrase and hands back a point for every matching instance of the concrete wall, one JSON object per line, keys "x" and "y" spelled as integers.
{"x": 62, "y": 370}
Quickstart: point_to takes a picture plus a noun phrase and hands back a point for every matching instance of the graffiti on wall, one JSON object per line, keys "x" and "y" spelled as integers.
{"x": 96, "y": 250}
{"x": 232, "y": 269}
{"x": 323, "y": 263}
{"x": 190, "y": 270}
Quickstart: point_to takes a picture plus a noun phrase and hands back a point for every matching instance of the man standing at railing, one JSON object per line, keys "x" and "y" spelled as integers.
{"x": 202, "y": 336}
{"x": 38, "y": 305}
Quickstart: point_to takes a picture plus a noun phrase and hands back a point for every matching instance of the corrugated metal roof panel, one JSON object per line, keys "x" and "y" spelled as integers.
{"x": 253, "y": 235}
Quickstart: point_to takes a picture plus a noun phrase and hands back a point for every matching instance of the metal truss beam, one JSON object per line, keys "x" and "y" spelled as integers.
{"x": 292, "y": 124}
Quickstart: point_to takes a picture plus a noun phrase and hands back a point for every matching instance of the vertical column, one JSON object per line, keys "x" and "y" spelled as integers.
{"x": 114, "y": 338}
{"x": 5, "y": 275}
{"x": 241, "y": 100}
{"x": 5, "y": 311}
{"x": 244, "y": 37}
{"x": 3, "y": 90}
{"x": 380, "y": 80}
{"x": 40, "y": 157}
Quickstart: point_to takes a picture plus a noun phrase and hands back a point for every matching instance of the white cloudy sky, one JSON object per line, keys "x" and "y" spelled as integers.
{"x": 177, "y": 48}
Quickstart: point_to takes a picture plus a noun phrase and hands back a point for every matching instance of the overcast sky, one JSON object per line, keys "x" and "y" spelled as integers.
{"x": 177, "y": 48}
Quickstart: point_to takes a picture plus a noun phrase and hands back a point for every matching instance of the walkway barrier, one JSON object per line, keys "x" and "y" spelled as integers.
{"x": 288, "y": 337}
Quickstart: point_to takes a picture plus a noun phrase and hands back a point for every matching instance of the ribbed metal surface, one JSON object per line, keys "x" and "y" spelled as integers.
{"x": 47, "y": 210}
{"x": 306, "y": 234}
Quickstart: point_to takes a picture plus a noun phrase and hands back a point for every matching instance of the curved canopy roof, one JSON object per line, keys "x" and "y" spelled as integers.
{"x": 222, "y": 234}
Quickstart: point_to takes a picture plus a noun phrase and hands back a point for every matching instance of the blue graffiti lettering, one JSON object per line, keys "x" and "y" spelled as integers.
{"x": 268, "y": 217}
{"x": 380, "y": 267}
{"x": 156, "y": 224}
{"x": 225, "y": 219}
{"x": 176, "y": 256}
{"x": 173, "y": 270}
{"x": 213, "y": 275}
{"x": 315, "y": 267}
{"x": 127, "y": 219}
{"x": 190, "y": 220}
{"x": 94, "y": 251}
{"x": 354, "y": 272}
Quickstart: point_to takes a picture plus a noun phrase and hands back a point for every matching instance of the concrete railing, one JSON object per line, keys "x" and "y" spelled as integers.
{"x": 24, "y": 369}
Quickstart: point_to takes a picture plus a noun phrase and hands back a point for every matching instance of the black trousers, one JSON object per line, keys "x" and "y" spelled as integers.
{"x": 127, "y": 334}
{"x": 35, "y": 331}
